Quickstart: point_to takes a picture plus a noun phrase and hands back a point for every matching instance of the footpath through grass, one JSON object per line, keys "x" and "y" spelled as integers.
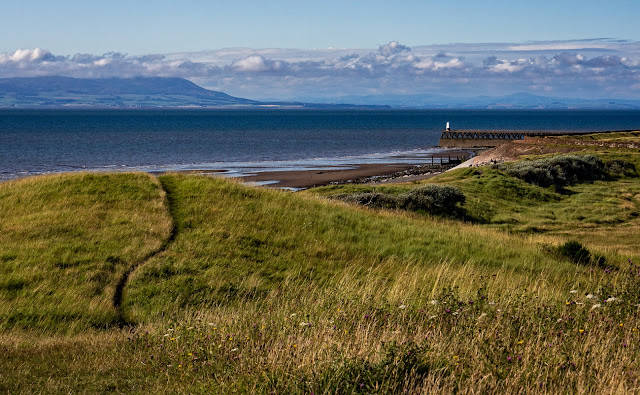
{"x": 66, "y": 240}
{"x": 234, "y": 242}
{"x": 263, "y": 291}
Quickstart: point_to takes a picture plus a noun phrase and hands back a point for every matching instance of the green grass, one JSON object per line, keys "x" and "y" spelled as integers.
{"x": 233, "y": 241}
{"x": 237, "y": 289}
{"x": 602, "y": 214}
{"x": 609, "y": 137}
{"x": 66, "y": 240}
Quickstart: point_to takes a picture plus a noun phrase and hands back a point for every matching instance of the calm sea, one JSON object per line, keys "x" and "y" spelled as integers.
{"x": 244, "y": 141}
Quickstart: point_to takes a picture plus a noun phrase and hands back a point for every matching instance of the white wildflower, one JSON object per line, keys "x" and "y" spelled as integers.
{"x": 573, "y": 291}
{"x": 434, "y": 302}
{"x": 402, "y": 306}
{"x": 592, "y": 296}
{"x": 580, "y": 303}
{"x": 234, "y": 349}
{"x": 305, "y": 324}
{"x": 559, "y": 320}
{"x": 492, "y": 303}
{"x": 596, "y": 306}
{"x": 611, "y": 299}
{"x": 432, "y": 317}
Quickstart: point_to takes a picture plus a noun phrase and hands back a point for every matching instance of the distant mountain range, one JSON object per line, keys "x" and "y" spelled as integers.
{"x": 140, "y": 92}
{"x": 513, "y": 101}
{"x": 161, "y": 92}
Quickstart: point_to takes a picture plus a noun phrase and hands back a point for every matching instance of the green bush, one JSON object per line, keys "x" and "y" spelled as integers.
{"x": 558, "y": 171}
{"x": 563, "y": 170}
{"x": 370, "y": 199}
{"x": 620, "y": 168}
{"x": 575, "y": 251}
{"x": 433, "y": 199}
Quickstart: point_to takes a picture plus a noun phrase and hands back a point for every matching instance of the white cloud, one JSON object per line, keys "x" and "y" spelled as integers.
{"x": 26, "y": 55}
{"x": 454, "y": 63}
{"x": 102, "y": 62}
{"x": 257, "y": 63}
{"x": 392, "y": 48}
{"x": 390, "y": 68}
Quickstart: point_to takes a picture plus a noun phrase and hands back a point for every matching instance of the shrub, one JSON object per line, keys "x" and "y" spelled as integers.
{"x": 619, "y": 168}
{"x": 370, "y": 199}
{"x": 575, "y": 251}
{"x": 434, "y": 199}
{"x": 558, "y": 171}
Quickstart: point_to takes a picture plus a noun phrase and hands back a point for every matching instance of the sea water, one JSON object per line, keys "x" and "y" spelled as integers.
{"x": 247, "y": 141}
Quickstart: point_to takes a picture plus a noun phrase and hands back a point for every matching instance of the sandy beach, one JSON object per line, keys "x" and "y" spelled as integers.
{"x": 357, "y": 173}
{"x": 312, "y": 178}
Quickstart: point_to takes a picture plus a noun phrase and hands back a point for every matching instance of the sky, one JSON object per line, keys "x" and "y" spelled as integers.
{"x": 327, "y": 49}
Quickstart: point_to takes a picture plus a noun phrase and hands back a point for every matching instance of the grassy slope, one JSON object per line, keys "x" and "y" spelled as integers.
{"x": 603, "y": 214}
{"x": 233, "y": 241}
{"x": 265, "y": 291}
{"x": 66, "y": 240}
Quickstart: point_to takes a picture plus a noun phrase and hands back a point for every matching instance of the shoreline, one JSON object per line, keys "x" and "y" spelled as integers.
{"x": 384, "y": 173}
{"x": 351, "y": 173}
{"x": 390, "y": 170}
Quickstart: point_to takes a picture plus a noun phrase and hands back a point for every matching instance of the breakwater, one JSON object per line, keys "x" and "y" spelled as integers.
{"x": 488, "y": 139}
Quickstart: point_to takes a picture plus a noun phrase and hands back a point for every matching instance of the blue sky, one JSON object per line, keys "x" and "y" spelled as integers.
{"x": 329, "y": 49}
{"x": 161, "y": 26}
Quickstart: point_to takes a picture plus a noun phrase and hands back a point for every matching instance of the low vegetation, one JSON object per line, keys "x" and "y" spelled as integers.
{"x": 66, "y": 240}
{"x": 563, "y": 170}
{"x": 234, "y": 289}
{"x": 441, "y": 200}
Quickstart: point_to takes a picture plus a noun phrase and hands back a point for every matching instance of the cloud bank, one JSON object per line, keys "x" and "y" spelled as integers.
{"x": 583, "y": 68}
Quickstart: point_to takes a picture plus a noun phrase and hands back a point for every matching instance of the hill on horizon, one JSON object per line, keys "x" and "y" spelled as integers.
{"x": 136, "y": 92}
{"x": 53, "y": 91}
{"x": 172, "y": 92}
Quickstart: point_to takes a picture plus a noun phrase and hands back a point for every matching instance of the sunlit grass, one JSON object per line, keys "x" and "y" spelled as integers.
{"x": 263, "y": 291}
{"x": 66, "y": 240}
{"x": 233, "y": 240}
{"x": 603, "y": 214}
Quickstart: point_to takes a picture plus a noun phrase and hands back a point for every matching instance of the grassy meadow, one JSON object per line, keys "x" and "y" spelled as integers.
{"x": 189, "y": 284}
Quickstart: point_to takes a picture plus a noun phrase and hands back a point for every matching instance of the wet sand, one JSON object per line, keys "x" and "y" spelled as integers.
{"x": 357, "y": 173}
{"x": 312, "y": 178}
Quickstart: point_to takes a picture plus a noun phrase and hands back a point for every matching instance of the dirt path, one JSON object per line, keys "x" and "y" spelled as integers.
{"x": 122, "y": 283}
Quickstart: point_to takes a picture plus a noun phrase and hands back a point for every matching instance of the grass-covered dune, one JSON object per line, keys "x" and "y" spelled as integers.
{"x": 65, "y": 241}
{"x": 188, "y": 284}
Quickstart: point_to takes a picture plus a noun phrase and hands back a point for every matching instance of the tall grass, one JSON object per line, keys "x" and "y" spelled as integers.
{"x": 364, "y": 334}
{"x": 262, "y": 291}
{"x": 603, "y": 214}
{"x": 65, "y": 241}
{"x": 233, "y": 241}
